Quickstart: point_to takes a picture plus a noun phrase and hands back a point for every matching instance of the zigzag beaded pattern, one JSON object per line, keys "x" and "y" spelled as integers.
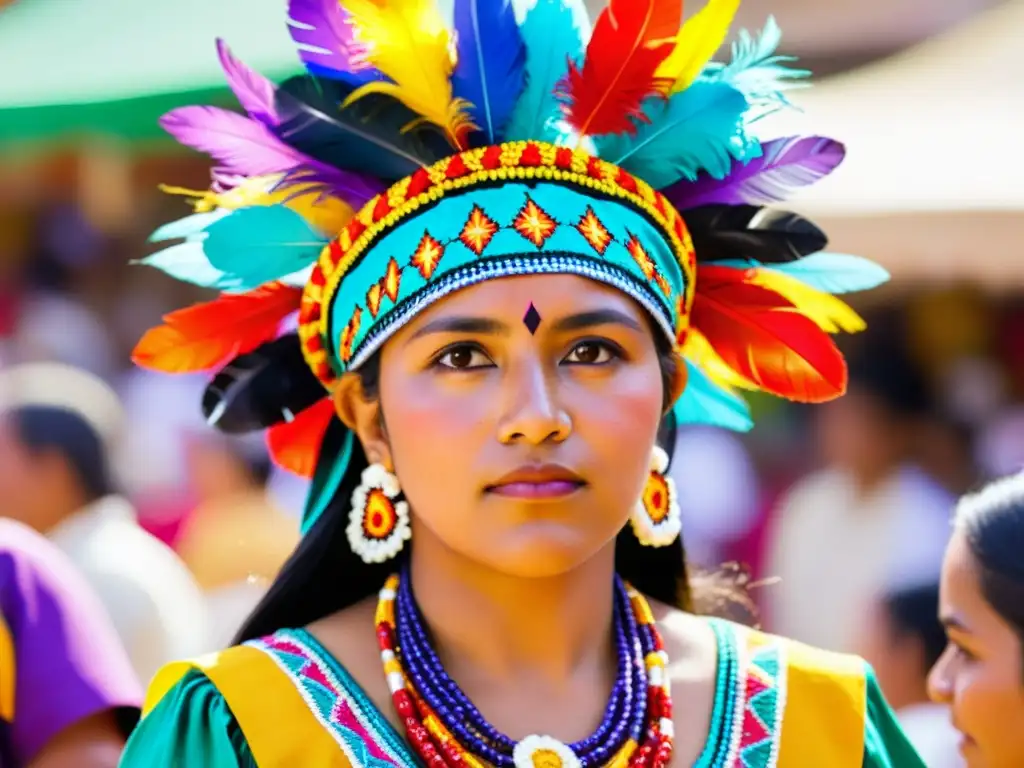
{"x": 521, "y": 160}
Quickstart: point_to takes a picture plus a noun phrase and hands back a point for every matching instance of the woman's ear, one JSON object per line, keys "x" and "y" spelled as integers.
{"x": 678, "y": 383}
{"x": 362, "y": 415}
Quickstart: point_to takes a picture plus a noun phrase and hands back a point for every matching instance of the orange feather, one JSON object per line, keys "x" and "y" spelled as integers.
{"x": 761, "y": 336}
{"x": 630, "y": 41}
{"x": 295, "y": 444}
{"x": 207, "y": 335}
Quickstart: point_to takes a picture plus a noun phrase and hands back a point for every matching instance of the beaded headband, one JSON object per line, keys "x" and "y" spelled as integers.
{"x": 420, "y": 155}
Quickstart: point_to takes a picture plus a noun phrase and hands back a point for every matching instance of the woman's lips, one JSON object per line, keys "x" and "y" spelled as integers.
{"x": 550, "y": 489}
{"x": 544, "y": 481}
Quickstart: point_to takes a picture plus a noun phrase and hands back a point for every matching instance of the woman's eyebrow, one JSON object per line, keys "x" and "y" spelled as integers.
{"x": 461, "y": 324}
{"x": 597, "y": 317}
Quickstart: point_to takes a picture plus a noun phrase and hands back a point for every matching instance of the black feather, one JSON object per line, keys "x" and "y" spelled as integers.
{"x": 751, "y": 233}
{"x": 365, "y": 137}
{"x": 262, "y": 388}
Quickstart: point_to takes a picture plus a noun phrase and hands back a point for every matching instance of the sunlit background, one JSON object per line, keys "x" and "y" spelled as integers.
{"x": 926, "y": 94}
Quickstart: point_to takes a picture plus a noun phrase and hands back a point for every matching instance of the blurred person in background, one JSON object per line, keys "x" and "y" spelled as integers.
{"x": 55, "y": 477}
{"x": 871, "y": 519}
{"x": 980, "y": 675}
{"x": 236, "y": 539}
{"x": 903, "y": 639}
{"x": 68, "y": 695}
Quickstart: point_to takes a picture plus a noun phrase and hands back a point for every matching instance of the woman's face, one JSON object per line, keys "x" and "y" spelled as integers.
{"x": 979, "y": 675}
{"x": 521, "y": 442}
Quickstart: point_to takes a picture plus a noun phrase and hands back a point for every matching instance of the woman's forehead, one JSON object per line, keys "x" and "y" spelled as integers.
{"x": 532, "y": 299}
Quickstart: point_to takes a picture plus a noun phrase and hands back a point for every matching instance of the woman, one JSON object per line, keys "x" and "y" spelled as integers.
{"x": 501, "y": 331}
{"x": 68, "y": 696}
{"x": 982, "y": 606}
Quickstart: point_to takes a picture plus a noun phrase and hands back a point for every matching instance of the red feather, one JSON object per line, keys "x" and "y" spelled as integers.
{"x": 764, "y": 338}
{"x": 207, "y": 335}
{"x": 295, "y": 444}
{"x": 630, "y": 40}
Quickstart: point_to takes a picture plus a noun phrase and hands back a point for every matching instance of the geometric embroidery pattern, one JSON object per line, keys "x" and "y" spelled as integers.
{"x": 518, "y": 161}
{"x": 757, "y": 740}
{"x": 333, "y": 705}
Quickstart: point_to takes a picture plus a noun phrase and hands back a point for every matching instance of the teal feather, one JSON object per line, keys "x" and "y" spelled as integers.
{"x": 835, "y": 273}
{"x": 699, "y": 129}
{"x": 555, "y": 32}
{"x": 189, "y": 263}
{"x": 262, "y": 243}
{"x": 758, "y": 72}
{"x": 704, "y": 402}
{"x": 188, "y": 226}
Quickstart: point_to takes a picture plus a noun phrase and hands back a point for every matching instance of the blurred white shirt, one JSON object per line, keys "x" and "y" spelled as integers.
{"x": 836, "y": 550}
{"x": 930, "y": 731}
{"x": 157, "y": 607}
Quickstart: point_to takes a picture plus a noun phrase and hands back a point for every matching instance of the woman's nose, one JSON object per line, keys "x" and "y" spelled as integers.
{"x": 535, "y": 413}
{"x": 940, "y": 687}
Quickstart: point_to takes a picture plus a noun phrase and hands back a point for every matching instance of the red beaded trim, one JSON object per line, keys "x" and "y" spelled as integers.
{"x": 514, "y": 160}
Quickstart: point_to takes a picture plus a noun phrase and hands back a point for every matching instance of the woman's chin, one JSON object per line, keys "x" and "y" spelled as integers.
{"x": 540, "y": 549}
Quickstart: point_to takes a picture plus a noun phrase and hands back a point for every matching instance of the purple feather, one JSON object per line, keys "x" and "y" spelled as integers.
{"x": 326, "y": 38}
{"x": 354, "y": 188}
{"x": 784, "y": 166}
{"x": 254, "y": 92}
{"x": 240, "y": 144}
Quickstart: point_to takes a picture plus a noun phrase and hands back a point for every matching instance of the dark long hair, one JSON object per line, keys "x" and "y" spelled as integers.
{"x": 992, "y": 521}
{"x": 324, "y": 575}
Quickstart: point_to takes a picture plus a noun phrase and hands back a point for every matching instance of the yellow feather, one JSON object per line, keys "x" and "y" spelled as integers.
{"x": 698, "y": 350}
{"x": 324, "y": 213}
{"x": 697, "y": 41}
{"x": 408, "y": 41}
{"x": 830, "y": 313}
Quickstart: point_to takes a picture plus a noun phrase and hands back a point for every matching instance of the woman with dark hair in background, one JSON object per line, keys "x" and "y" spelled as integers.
{"x": 491, "y": 571}
{"x": 981, "y": 673}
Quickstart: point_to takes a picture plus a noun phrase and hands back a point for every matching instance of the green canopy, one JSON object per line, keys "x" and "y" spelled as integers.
{"x": 72, "y": 67}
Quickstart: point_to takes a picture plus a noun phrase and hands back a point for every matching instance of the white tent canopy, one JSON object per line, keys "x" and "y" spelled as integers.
{"x": 936, "y": 128}
{"x": 933, "y": 183}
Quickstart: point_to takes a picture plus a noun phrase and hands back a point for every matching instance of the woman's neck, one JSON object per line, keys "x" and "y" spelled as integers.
{"x": 504, "y": 626}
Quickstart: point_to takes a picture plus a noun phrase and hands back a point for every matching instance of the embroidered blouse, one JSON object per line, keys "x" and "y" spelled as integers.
{"x": 285, "y": 701}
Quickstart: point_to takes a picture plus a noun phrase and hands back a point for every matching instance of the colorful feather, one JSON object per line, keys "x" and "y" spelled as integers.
{"x": 190, "y": 226}
{"x": 490, "y": 71}
{"x": 785, "y": 166}
{"x": 371, "y": 136}
{"x": 295, "y": 445}
{"x": 698, "y": 351}
{"x": 828, "y": 312}
{"x": 261, "y": 388}
{"x": 240, "y": 144}
{"x": 207, "y": 335}
{"x": 698, "y": 40}
{"x": 700, "y": 129}
{"x": 752, "y": 234}
{"x": 704, "y": 402}
{"x": 255, "y": 245}
{"x": 757, "y": 333}
{"x": 189, "y": 263}
{"x": 835, "y": 272}
{"x": 254, "y": 92}
{"x": 327, "y": 41}
{"x": 555, "y": 33}
{"x": 411, "y": 46}
{"x": 631, "y": 39}
{"x": 758, "y": 72}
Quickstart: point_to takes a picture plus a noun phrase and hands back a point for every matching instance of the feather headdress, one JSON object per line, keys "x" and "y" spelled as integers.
{"x": 400, "y": 136}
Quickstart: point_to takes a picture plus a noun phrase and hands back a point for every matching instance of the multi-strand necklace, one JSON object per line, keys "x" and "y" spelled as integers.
{"x": 445, "y": 729}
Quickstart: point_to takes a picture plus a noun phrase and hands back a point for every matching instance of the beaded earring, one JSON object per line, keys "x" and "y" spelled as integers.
{"x": 656, "y": 519}
{"x": 378, "y": 526}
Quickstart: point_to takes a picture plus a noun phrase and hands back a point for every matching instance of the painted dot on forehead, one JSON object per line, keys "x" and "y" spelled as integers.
{"x": 531, "y": 319}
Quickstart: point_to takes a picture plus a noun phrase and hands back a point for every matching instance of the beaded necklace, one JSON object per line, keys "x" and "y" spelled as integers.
{"x": 445, "y": 729}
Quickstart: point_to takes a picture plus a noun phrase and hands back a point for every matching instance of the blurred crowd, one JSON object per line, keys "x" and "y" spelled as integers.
{"x": 840, "y": 513}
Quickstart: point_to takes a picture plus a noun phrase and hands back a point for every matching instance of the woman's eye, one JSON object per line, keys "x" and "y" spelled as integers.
{"x": 590, "y": 353}
{"x": 463, "y": 358}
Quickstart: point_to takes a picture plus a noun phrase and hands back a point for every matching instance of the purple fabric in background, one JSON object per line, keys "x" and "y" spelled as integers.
{"x": 69, "y": 662}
